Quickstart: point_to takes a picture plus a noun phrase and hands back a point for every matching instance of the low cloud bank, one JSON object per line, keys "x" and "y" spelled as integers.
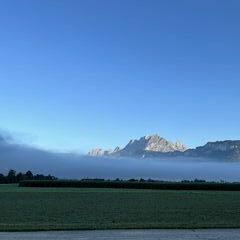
{"x": 65, "y": 165}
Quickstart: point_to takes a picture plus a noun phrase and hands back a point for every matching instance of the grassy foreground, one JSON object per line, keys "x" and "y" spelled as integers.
{"x": 25, "y": 209}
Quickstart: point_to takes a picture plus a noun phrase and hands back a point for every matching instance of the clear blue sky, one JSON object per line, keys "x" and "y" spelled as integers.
{"x": 80, "y": 74}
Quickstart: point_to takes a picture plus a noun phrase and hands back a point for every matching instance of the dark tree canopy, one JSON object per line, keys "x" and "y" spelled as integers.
{"x": 14, "y": 177}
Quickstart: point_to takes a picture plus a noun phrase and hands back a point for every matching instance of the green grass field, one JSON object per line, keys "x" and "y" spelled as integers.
{"x": 76, "y": 208}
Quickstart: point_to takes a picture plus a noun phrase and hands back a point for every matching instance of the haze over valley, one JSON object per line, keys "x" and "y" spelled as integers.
{"x": 149, "y": 157}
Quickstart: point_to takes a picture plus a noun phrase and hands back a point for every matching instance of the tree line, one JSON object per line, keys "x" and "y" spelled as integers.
{"x": 126, "y": 184}
{"x": 13, "y": 177}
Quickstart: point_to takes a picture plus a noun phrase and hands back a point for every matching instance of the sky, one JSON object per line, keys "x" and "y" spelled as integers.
{"x": 75, "y": 75}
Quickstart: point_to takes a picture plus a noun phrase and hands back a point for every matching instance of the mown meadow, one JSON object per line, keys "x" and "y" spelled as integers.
{"x": 31, "y": 208}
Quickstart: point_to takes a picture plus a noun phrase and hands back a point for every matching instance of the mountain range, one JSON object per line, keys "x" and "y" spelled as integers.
{"x": 156, "y": 146}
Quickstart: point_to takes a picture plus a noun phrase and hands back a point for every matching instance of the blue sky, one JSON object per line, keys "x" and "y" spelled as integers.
{"x": 81, "y": 74}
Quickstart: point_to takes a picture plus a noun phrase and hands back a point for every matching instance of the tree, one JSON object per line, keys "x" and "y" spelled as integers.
{"x": 28, "y": 175}
{"x": 2, "y": 178}
{"x": 11, "y": 177}
{"x": 19, "y": 177}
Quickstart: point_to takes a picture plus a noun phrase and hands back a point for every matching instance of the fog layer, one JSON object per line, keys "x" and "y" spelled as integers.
{"x": 73, "y": 166}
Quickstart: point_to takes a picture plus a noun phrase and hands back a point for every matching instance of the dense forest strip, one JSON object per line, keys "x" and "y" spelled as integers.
{"x": 133, "y": 185}
{"x": 13, "y": 177}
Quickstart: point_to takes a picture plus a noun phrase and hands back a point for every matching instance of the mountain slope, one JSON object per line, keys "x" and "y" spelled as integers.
{"x": 228, "y": 149}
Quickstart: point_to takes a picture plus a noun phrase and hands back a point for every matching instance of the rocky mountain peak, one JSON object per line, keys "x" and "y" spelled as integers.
{"x": 156, "y": 146}
{"x": 150, "y": 143}
{"x": 99, "y": 152}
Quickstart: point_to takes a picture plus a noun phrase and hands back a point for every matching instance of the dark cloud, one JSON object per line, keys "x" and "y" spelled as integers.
{"x": 67, "y": 165}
